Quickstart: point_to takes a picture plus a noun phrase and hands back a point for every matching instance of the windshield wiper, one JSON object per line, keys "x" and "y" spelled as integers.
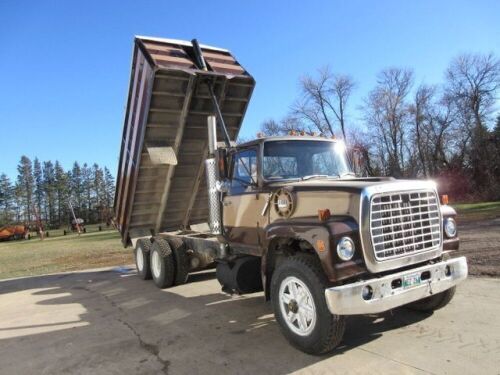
{"x": 347, "y": 174}
{"x": 308, "y": 177}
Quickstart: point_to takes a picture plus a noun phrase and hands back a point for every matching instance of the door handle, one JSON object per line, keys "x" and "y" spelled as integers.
{"x": 227, "y": 203}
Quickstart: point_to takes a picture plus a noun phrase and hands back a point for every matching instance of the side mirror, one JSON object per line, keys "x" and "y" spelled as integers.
{"x": 358, "y": 161}
{"x": 222, "y": 160}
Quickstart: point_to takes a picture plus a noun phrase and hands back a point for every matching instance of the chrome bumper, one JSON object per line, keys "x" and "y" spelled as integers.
{"x": 386, "y": 295}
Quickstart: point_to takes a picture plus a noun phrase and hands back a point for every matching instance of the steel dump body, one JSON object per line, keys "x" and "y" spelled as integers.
{"x": 160, "y": 180}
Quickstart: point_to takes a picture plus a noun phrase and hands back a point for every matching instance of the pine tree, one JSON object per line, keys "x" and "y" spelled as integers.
{"x": 49, "y": 187}
{"x": 38, "y": 180}
{"x": 76, "y": 187}
{"x": 6, "y": 199}
{"x": 98, "y": 184}
{"x": 61, "y": 193}
{"x": 109, "y": 188}
{"x": 87, "y": 185}
{"x": 18, "y": 204}
{"x": 45, "y": 188}
{"x": 25, "y": 183}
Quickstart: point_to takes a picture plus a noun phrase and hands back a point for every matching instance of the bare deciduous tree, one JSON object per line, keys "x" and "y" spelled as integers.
{"x": 324, "y": 101}
{"x": 386, "y": 111}
{"x": 271, "y": 127}
{"x": 473, "y": 81}
{"x": 434, "y": 131}
{"x": 290, "y": 123}
{"x": 422, "y": 112}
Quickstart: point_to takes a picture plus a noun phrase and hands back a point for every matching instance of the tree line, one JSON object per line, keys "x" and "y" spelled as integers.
{"x": 42, "y": 193}
{"x": 445, "y": 131}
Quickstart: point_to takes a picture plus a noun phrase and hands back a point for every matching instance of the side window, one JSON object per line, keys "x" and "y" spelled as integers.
{"x": 244, "y": 173}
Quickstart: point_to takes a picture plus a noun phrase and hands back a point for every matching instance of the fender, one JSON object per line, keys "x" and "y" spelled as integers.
{"x": 322, "y": 236}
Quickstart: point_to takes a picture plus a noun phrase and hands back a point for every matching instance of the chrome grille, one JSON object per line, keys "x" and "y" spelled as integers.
{"x": 404, "y": 223}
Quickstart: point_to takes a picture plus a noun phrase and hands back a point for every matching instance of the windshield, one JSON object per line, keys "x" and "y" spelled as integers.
{"x": 294, "y": 159}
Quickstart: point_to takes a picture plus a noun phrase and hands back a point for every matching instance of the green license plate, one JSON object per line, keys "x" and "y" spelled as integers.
{"x": 409, "y": 281}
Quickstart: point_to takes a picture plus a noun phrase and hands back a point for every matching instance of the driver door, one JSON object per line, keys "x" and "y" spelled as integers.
{"x": 242, "y": 205}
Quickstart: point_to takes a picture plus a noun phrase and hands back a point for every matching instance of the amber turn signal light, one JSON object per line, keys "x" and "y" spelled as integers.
{"x": 324, "y": 215}
{"x": 320, "y": 245}
{"x": 444, "y": 199}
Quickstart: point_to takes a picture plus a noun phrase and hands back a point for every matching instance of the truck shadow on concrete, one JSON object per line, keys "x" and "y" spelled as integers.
{"x": 111, "y": 321}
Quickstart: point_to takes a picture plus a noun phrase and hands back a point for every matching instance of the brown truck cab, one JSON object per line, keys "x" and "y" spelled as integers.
{"x": 286, "y": 215}
{"x": 327, "y": 238}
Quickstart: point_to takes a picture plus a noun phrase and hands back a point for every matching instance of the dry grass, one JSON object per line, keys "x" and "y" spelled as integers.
{"x": 470, "y": 212}
{"x": 59, "y": 254}
{"x": 101, "y": 249}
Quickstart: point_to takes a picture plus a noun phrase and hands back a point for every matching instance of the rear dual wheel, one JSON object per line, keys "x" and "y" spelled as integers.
{"x": 169, "y": 264}
{"x": 141, "y": 255}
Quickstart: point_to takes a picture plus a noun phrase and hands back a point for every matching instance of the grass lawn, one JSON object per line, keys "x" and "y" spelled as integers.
{"x": 477, "y": 211}
{"x": 64, "y": 253}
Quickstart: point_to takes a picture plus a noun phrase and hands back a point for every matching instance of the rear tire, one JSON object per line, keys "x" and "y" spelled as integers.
{"x": 181, "y": 260}
{"x": 162, "y": 264}
{"x": 141, "y": 255}
{"x": 298, "y": 298}
{"x": 435, "y": 302}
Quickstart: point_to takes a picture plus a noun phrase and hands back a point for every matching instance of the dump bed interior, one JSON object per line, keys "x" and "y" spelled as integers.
{"x": 160, "y": 181}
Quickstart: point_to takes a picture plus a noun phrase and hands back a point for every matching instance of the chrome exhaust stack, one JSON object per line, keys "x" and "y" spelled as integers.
{"x": 212, "y": 174}
{"x": 211, "y": 164}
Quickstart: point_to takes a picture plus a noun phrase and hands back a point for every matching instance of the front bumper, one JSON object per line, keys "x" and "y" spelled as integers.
{"x": 386, "y": 294}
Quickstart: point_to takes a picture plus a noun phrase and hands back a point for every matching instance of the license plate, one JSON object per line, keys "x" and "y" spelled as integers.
{"x": 411, "y": 280}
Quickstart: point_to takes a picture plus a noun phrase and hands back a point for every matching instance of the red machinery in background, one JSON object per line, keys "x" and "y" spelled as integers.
{"x": 13, "y": 232}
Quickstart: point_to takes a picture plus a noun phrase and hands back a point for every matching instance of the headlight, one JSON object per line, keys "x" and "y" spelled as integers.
{"x": 345, "y": 248}
{"x": 450, "y": 227}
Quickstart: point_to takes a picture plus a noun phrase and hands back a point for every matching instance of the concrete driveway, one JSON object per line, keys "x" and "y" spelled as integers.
{"x": 110, "y": 321}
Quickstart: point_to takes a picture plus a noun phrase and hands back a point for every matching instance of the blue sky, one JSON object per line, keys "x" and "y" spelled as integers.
{"x": 64, "y": 65}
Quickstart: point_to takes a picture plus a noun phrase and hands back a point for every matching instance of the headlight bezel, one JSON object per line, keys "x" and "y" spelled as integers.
{"x": 343, "y": 244}
{"x": 450, "y": 231}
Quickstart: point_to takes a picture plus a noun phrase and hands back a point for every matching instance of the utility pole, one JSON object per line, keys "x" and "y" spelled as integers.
{"x": 74, "y": 217}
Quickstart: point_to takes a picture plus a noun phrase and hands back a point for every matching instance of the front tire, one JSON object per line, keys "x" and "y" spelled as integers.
{"x": 141, "y": 255}
{"x": 162, "y": 264}
{"x": 435, "y": 302}
{"x": 298, "y": 298}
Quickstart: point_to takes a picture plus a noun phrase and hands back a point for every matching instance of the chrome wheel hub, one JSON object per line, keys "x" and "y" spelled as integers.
{"x": 297, "y": 306}
{"x": 139, "y": 259}
{"x": 156, "y": 264}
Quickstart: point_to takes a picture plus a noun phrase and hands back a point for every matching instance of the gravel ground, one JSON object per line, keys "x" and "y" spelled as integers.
{"x": 480, "y": 243}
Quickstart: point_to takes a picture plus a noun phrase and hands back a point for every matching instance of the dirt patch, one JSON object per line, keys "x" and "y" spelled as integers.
{"x": 480, "y": 243}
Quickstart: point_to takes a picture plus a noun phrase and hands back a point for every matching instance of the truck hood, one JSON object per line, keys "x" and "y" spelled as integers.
{"x": 356, "y": 185}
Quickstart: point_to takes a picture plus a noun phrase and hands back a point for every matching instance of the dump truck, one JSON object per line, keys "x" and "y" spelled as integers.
{"x": 285, "y": 215}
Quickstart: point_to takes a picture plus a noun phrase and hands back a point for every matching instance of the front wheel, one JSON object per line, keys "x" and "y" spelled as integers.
{"x": 298, "y": 298}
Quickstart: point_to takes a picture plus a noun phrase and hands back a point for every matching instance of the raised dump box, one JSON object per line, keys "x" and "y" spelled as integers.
{"x": 160, "y": 181}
